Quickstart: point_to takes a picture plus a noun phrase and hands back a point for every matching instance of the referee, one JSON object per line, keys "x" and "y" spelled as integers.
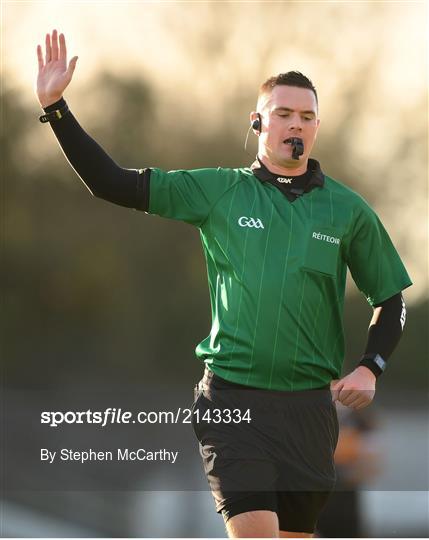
{"x": 278, "y": 238}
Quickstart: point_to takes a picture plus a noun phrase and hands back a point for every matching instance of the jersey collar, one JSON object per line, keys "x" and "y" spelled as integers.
{"x": 303, "y": 183}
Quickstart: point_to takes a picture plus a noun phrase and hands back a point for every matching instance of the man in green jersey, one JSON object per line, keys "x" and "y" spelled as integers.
{"x": 278, "y": 238}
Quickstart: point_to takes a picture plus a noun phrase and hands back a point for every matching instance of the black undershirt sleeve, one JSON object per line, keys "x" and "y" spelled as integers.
{"x": 385, "y": 331}
{"x": 101, "y": 175}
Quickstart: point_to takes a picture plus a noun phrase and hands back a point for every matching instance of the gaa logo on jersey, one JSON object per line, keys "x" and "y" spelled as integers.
{"x": 250, "y": 222}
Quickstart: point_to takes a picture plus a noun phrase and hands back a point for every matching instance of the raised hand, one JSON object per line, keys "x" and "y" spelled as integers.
{"x": 54, "y": 76}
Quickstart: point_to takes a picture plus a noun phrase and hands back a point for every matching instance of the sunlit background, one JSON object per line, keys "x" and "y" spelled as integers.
{"x": 92, "y": 288}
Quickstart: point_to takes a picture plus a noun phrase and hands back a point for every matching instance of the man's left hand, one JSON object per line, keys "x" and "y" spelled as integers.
{"x": 355, "y": 390}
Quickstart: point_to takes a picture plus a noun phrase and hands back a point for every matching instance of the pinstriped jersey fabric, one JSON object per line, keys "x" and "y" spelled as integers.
{"x": 277, "y": 271}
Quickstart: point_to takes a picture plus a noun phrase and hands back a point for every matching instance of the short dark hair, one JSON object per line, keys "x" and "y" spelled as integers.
{"x": 291, "y": 78}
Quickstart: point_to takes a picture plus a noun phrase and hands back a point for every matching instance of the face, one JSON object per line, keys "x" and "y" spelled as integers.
{"x": 288, "y": 111}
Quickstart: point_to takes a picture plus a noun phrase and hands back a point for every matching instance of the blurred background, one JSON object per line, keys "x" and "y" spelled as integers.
{"x": 100, "y": 296}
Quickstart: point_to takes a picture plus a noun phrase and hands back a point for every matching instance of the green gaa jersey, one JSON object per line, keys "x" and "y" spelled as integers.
{"x": 277, "y": 270}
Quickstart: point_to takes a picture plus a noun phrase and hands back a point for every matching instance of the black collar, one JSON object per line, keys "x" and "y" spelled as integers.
{"x": 291, "y": 186}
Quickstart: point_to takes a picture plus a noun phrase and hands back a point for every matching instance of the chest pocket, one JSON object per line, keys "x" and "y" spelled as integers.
{"x": 322, "y": 250}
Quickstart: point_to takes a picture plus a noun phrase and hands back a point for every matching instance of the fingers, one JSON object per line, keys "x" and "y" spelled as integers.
{"x": 48, "y": 48}
{"x": 39, "y": 57}
{"x": 346, "y": 396}
{"x": 359, "y": 403}
{"x": 336, "y": 388}
{"x": 54, "y": 42}
{"x": 63, "y": 48}
{"x": 72, "y": 65}
{"x": 355, "y": 399}
{"x": 355, "y": 390}
{"x": 53, "y": 51}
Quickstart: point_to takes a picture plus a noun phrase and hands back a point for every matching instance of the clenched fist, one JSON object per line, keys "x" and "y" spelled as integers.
{"x": 355, "y": 390}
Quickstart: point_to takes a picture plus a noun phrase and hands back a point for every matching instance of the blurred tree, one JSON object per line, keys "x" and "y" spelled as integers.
{"x": 90, "y": 286}
{"x": 91, "y": 290}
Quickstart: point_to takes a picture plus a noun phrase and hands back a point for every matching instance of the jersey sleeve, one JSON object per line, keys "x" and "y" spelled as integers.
{"x": 373, "y": 261}
{"x": 186, "y": 195}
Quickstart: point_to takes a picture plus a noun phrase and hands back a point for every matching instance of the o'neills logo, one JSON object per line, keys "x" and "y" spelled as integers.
{"x": 284, "y": 180}
{"x": 330, "y": 239}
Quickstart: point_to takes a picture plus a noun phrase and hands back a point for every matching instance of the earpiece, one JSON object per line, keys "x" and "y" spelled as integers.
{"x": 256, "y": 124}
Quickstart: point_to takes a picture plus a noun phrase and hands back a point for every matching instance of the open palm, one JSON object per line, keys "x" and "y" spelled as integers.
{"x": 54, "y": 75}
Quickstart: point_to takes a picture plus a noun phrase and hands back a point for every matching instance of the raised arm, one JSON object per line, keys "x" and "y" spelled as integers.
{"x": 100, "y": 174}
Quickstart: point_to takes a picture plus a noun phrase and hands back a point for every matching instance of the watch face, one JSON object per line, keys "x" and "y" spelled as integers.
{"x": 380, "y": 362}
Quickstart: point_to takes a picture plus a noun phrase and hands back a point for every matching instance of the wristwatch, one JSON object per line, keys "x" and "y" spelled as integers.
{"x": 53, "y": 116}
{"x": 374, "y": 362}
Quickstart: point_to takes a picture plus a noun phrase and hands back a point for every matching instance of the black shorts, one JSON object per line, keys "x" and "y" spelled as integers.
{"x": 267, "y": 449}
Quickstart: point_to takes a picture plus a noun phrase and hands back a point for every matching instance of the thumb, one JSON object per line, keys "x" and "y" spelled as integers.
{"x": 336, "y": 386}
{"x": 72, "y": 65}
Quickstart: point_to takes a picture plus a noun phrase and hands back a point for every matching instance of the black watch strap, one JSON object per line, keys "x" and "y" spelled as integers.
{"x": 374, "y": 362}
{"x": 55, "y": 115}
